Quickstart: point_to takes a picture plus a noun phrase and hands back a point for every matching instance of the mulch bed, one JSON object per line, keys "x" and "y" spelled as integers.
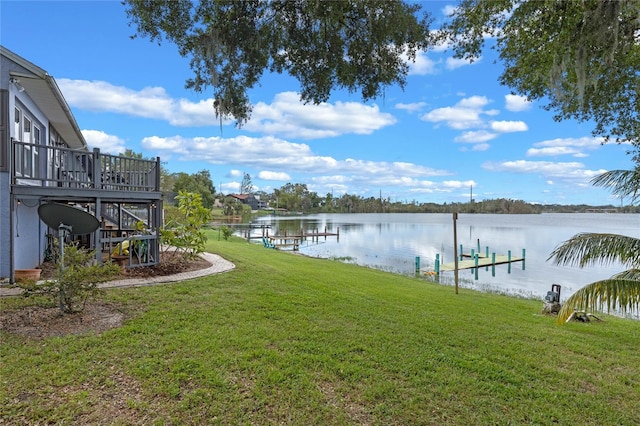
{"x": 39, "y": 322}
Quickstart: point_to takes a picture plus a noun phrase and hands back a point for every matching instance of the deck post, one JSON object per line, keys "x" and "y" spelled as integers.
{"x": 476, "y": 268}
{"x": 97, "y": 169}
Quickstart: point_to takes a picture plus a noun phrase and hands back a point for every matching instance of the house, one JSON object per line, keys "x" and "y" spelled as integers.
{"x": 45, "y": 159}
{"x": 251, "y": 200}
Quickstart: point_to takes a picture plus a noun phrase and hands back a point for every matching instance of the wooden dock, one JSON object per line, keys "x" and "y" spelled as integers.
{"x": 292, "y": 241}
{"x": 301, "y": 234}
{"x": 474, "y": 261}
{"x": 482, "y": 261}
{"x": 285, "y": 242}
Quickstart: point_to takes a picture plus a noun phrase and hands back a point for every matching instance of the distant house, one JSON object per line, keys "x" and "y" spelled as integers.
{"x": 251, "y": 200}
{"x": 44, "y": 158}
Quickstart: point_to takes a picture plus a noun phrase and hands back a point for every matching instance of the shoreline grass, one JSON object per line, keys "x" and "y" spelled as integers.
{"x": 286, "y": 339}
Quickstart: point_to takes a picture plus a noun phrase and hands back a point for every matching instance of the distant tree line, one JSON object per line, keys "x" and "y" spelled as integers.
{"x": 298, "y": 198}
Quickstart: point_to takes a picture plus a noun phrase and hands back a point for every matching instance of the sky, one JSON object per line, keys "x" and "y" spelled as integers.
{"x": 452, "y": 133}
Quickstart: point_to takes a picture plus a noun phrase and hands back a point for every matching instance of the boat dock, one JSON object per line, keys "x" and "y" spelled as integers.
{"x": 474, "y": 261}
{"x": 293, "y": 241}
{"x": 479, "y": 261}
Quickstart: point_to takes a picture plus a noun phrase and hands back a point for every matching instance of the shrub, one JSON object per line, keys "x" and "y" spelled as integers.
{"x": 76, "y": 280}
{"x": 226, "y": 232}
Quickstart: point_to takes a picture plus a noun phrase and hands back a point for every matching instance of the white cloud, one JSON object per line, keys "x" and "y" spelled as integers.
{"x": 411, "y": 107}
{"x": 576, "y": 147}
{"x": 475, "y": 136}
{"x": 107, "y": 143}
{"x": 473, "y": 102}
{"x": 481, "y": 147}
{"x": 279, "y": 156}
{"x": 267, "y": 175}
{"x": 560, "y": 170}
{"x": 465, "y": 114}
{"x": 422, "y": 65}
{"x": 551, "y": 151}
{"x": 457, "y": 184}
{"x": 509, "y": 126}
{"x": 235, "y": 173}
{"x": 230, "y": 187}
{"x": 453, "y": 63}
{"x": 149, "y": 102}
{"x": 287, "y": 116}
{"x": 516, "y": 103}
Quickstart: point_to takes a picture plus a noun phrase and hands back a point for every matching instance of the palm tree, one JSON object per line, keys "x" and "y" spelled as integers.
{"x": 621, "y": 291}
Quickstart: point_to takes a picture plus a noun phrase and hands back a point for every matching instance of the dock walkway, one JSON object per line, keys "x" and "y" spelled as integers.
{"x": 481, "y": 262}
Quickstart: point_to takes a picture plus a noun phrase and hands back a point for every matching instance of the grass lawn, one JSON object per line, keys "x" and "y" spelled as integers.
{"x": 286, "y": 339}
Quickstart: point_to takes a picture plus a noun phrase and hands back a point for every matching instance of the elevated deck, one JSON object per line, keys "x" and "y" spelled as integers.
{"x": 60, "y": 172}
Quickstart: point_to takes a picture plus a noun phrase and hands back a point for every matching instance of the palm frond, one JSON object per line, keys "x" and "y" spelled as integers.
{"x": 593, "y": 248}
{"x": 631, "y": 274}
{"x": 613, "y": 293}
{"x": 622, "y": 183}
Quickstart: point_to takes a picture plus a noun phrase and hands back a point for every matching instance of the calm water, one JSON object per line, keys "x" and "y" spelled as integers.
{"x": 393, "y": 241}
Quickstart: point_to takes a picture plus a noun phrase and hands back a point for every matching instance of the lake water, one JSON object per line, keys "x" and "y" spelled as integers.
{"x": 392, "y": 242}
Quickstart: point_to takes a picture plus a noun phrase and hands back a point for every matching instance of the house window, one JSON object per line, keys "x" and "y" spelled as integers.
{"x": 27, "y": 159}
{"x": 17, "y": 135}
{"x": 26, "y": 131}
{"x": 35, "y": 150}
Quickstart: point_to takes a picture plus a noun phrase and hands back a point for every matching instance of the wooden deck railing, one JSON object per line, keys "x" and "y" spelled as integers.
{"x": 63, "y": 167}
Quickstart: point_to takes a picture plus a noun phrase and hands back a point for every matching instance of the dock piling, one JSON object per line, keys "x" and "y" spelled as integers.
{"x": 493, "y": 264}
{"x": 476, "y": 268}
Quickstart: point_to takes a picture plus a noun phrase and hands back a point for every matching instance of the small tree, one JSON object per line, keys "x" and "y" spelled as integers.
{"x": 246, "y": 187}
{"x": 77, "y": 279}
{"x": 231, "y": 206}
{"x": 226, "y": 232}
{"x": 184, "y": 234}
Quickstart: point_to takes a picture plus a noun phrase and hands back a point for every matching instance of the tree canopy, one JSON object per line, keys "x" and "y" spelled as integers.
{"x": 582, "y": 57}
{"x": 348, "y": 44}
{"x": 199, "y": 183}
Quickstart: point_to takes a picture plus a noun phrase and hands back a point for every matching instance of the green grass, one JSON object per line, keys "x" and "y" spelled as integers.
{"x": 286, "y": 339}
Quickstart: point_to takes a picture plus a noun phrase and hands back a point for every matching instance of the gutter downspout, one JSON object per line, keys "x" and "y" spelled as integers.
{"x": 11, "y": 237}
{"x": 11, "y": 212}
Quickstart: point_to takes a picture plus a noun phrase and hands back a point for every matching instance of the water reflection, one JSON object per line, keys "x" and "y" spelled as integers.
{"x": 392, "y": 242}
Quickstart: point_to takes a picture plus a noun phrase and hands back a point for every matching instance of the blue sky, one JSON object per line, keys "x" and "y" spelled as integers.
{"x": 452, "y": 128}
